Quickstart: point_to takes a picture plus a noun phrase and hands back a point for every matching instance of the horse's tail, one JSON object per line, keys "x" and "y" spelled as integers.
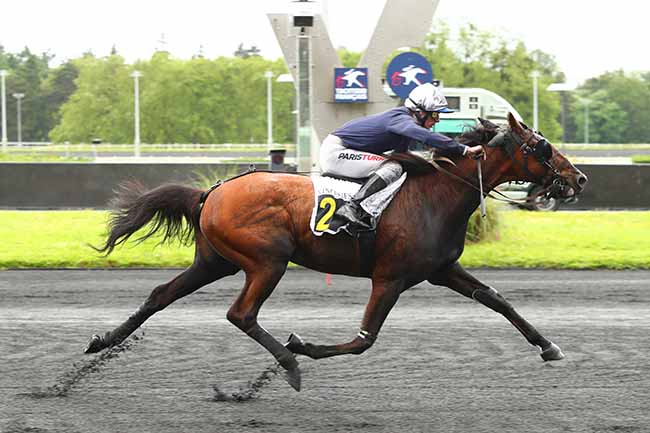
{"x": 167, "y": 206}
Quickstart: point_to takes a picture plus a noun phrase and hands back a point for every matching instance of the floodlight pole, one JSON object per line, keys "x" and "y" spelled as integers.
{"x": 563, "y": 115}
{"x": 563, "y": 89}
{"x": 19, "y": 97}
{"x": 303, "y": 148}
{"x": 136, "y": 139}
{"x": 3, "y": 96}
{"x": 586, "y": 102}
{"x": 535, "y": 75}
{"x": 269, "y": 109}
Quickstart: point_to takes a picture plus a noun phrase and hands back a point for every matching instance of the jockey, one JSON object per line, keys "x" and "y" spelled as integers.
{"x": 354, "y": 149}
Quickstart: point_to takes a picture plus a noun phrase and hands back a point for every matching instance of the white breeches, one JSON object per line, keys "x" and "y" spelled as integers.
{"x": 337, "y": 159}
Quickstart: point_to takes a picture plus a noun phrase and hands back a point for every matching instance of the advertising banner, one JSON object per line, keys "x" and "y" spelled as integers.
{"x": 351, "y": 85}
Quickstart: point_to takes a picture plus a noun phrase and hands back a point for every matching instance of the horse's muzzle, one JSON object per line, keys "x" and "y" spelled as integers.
{"x": 570, "y": 184}
{"x": 578, "y": 182}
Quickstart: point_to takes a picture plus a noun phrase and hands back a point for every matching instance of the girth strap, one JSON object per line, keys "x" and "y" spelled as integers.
{"x": 367, "y": 252}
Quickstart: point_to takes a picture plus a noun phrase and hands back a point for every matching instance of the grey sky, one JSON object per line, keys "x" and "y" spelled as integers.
{"x": 587, "y": 37}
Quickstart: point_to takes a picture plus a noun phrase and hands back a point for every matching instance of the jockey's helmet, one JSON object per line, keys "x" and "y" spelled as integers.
{"x": 427, "y": 97}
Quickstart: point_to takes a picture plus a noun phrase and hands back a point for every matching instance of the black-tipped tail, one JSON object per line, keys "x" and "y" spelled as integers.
{"x": 165, "y": 207}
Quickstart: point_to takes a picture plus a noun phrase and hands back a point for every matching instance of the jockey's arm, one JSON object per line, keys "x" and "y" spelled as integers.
{"x": 405, "y": 127}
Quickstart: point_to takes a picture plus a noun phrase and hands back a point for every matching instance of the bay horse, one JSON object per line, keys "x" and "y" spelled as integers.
{"x": 259, "y": 222}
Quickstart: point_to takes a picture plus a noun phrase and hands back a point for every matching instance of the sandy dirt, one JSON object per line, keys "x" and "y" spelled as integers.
{"x": 442, "y": 362}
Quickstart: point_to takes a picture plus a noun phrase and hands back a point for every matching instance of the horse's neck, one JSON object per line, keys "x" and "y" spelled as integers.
{"x": 461, "y": 197}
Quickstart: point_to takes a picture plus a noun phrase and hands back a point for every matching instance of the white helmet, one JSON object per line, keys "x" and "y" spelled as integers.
{"x": 427, "y": 97}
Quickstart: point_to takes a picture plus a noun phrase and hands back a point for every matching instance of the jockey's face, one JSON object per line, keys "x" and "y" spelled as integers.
{"x": 431, "y": 119}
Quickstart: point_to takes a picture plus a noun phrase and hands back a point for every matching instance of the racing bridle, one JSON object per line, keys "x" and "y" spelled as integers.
{"x": 533, "y": 145}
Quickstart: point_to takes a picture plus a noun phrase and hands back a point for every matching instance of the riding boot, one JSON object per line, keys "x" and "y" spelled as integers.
{"x": 352, "y": 211}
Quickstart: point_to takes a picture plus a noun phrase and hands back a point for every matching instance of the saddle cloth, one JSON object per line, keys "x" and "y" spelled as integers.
{"x": 330, "y": 194}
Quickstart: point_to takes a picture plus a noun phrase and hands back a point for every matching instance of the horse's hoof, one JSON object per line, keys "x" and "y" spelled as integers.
{"x": 295, "y": 344}
{"x": 552, "y": 353}
{"x": 292, "y": 377}
{"x": 95, "y": 344}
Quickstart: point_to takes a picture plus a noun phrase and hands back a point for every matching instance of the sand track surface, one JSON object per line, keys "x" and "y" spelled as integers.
{"x": 441, "y": 363}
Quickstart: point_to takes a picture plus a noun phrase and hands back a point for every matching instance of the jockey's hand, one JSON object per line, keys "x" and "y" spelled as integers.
{"x": 475, "y": 152}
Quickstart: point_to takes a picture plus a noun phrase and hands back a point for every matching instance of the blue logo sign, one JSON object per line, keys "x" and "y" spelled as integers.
{"x": 350, "y": 84}
{"x": 407, "y": 71}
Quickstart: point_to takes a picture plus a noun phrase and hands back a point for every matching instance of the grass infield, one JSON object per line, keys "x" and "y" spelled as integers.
{"x": 641, "y": 159}
{"x": 563, "y": 240}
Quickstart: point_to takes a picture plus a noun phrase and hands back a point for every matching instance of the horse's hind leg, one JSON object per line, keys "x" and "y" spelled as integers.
{"x": 260, "y": 282}
{"x": 207, "y": 267}
{"x": 456, "y": 278}
{"x": 382, "y": 299}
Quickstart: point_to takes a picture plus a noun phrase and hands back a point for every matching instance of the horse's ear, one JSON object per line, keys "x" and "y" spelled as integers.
{"x": 487, "y": 124}
{"x": 514, "y": 123}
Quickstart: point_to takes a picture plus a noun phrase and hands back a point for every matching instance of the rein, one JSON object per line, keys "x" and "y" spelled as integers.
{"x": 541, "y": 151}
{"x": 503, "y": 198}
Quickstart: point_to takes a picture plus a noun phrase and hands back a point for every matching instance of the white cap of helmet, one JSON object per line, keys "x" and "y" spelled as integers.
{"x": 427, "y": 97}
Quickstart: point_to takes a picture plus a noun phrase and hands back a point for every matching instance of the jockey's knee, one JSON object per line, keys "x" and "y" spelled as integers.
{"x": 390, "y": 171}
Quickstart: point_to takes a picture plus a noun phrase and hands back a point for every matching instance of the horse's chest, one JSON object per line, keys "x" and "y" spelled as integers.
{"x": 439, "y": 251}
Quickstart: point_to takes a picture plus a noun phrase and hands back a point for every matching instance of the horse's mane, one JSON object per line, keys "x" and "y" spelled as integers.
{"x": 416, "y": 165}
{"x": 413, "y": 164}
{"x": 482, "y": 133}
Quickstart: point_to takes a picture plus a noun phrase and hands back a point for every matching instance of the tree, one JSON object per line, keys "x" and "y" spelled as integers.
{"x": 27, "y": 72}
{"x": 57, "y": 89}
{"x": 607, "y": 121}
{"x": 477, "y": 58}
{"x": 349, "y": 59}
{"x": 101, "y": 106}
{"x": 620, "y": 92}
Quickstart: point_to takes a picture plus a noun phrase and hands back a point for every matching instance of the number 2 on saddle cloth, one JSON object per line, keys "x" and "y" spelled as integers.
{"x": 331, "y": 193}
{"x": 325, "y": 222}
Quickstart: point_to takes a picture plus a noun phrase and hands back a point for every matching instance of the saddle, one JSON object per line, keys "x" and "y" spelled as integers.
{"x": 331, "y": 192}
{"x": 359, "y": 180}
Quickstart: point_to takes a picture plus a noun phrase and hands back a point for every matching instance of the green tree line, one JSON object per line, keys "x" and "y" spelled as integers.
{"x": 223, "y": 100}
{"x": 181, "y": 101}
{"x": 45, "y": 88}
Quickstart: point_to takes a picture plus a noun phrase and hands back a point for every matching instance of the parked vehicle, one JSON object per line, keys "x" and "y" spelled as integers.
{"x": 530, "y": 192}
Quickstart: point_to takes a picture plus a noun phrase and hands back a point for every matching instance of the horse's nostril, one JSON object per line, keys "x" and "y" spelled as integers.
{"x": 582, "y": 180}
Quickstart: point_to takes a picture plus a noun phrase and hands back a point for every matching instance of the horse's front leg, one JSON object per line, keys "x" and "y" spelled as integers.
{"x": 458, "y": 279}
{"x": 383, "y": 297}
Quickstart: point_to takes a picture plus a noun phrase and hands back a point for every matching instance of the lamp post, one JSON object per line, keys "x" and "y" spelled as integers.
{"x": 586, "y": 103}
{"x": 303, "y": 21}
{"x": 136, "y": 93}
{"x": 535, "y": 75}
{"x": 563, "y": 89}
{"x": 3, "y": 97}
{"x": 269, "y": 109}
{"x": 19, "y": 97}
{"x": 288, "y": 78}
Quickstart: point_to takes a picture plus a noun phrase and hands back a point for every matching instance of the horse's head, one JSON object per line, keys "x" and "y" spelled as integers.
{"x": 534, "y": 159}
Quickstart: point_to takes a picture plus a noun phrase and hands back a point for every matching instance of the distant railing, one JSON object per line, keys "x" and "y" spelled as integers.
{"x": 44, "y": 145}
